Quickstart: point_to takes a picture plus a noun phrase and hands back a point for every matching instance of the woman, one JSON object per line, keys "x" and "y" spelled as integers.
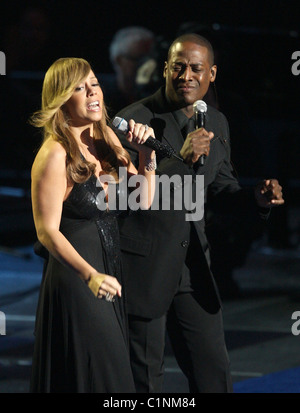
{"x": 81, "y": 339}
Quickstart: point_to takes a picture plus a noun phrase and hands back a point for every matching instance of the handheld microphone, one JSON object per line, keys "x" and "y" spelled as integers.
{"x": 160, "y": 148}
{"x": 200, "y": 109}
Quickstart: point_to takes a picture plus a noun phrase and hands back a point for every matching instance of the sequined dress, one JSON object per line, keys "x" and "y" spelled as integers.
{"x": 80, "y": 340}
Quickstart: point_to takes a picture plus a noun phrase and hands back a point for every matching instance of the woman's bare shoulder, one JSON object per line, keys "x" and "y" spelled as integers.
{"x": 50, "y": 155}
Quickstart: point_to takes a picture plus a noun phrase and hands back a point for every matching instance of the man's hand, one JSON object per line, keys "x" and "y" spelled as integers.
{"x": 268, "y": 193}
{"x": 197, "y": 143}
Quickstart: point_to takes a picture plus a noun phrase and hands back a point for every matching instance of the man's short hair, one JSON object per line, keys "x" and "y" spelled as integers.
{"x": 123, "y": 39}
{"x": 194, "y": 38}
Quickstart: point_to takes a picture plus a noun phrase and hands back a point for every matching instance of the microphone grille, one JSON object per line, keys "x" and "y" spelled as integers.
{"x": 120, "y": 124}
{"x": 199, "y": 106}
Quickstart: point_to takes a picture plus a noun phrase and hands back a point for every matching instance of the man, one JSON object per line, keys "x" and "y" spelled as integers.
{"x": 129, "y": 49}
{"x": 166, "y": 257}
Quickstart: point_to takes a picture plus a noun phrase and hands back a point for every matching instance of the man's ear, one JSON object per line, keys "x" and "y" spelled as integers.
{"x": 165, "y": 70}
{"x": 213, "y": 73}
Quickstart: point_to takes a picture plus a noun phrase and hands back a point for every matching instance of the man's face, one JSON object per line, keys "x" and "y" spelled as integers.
{"x": 188, "y": 73}
{"x": 129, "y": 62}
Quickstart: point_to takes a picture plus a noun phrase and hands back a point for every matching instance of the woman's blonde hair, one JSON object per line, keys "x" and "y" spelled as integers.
{"x": 59, "y": 84}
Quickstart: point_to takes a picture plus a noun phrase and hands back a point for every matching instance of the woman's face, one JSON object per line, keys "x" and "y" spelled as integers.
{"x": 86, "y": 104}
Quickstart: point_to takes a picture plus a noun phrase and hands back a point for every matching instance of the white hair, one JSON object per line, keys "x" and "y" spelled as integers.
{"x": 123, "y": 39}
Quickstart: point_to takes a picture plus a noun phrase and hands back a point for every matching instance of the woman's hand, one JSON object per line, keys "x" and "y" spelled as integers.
{"x": 137, "y": 136}
{"x": 104, "y": 286}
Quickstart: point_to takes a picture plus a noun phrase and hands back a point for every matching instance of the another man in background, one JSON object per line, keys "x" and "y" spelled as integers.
{"x": 129, "y": 49}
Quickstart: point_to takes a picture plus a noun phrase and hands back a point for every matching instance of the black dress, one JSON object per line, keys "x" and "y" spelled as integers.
{"x": 81, "y": 340}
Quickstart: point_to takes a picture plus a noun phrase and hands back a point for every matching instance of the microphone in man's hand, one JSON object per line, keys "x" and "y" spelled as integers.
{"x": 200, "y": 109}
{"x": 160, "y": 148}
